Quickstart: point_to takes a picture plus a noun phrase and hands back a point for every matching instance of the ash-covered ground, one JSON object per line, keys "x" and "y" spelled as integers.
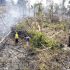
{"x": 19, "y": 58}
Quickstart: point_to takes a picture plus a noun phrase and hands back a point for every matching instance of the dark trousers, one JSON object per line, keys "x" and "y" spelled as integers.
{"x": 69, "y": 42}
{"x": 16, "y": 40}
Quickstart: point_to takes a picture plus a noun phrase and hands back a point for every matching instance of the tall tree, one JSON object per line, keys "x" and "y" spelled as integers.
{"x": 68, "y": 6}
{"x": 38, "y": 9}
{"x": 63, "y": 8}
{"x": 38, "y": 13}
{"x": 56, "y": 8}
{"x": 22, "y": 4}
{"x": 51, "y": 9}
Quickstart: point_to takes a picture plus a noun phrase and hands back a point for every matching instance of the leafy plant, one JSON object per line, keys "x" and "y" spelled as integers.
{"x": 39, "y": 40}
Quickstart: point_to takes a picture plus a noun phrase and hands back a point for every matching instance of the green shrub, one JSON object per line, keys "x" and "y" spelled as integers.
{"x": 39, "y": 40}
{"x": 45, "y": 25}
{"x": 20, "y": 26}
{"x": 51, "y": 42}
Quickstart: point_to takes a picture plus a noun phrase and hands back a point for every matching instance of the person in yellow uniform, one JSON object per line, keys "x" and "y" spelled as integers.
{"x": 16, "y": 37}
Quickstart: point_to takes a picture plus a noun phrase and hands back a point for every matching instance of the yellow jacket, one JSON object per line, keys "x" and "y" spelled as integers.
{"x": 16, "y": 36}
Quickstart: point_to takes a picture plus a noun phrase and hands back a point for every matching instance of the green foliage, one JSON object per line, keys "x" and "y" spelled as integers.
{"x": 20, "y": 26}
{"x": 51, "y": 42}
{"x": 45, "y": 25}
{"x": 57, "y": 26}
{"x": 24, "y": 25}
{"x": 39, "y": 40}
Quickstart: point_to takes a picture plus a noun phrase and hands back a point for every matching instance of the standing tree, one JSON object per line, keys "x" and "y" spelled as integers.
{"x": 68, "y": 7}
{"x": 56, "y": 8}
{"x": 63, "y": 8}
{"x": 51, "y": 9}
{"x": 38, "y": 13}
{"x": 22, "y": 4}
